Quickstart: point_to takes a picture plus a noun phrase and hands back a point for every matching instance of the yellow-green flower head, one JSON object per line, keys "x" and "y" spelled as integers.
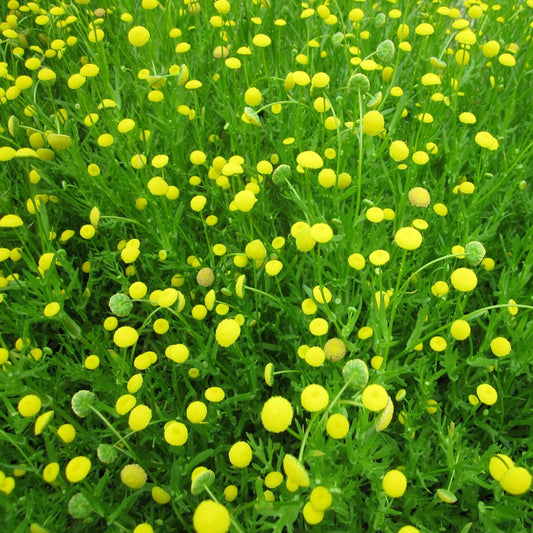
{"x": 337, "y": 426}
{"x": 464, "y": 279}
{"x": 385, "y": 417}
{"x": 408, "y": 238}
{"x": 240, "y": 454}
{"x": 460, "y": 330}
{"x": 375, "y": 397}
{"x": 176, "y": 433}
{"x": 11, "y": 221}
{"x": 139, "y": 417}
{"x": 334, "y": 349}
{"x": 373, "y": 123}
{"x": 318, "y": 326}
{"x": 487, "y": 394}
{"x": 314, "y": 398}
{"x": 394, "y": 483}
{"x": 399, "y": 151}
{"x": 29, "y": 405}
{"x": 311, "y": 515}
{"x": 295, "y": 471}
{"x": 321, "y": 232}
{"x": 138, "y": 36}
{"x": 419, "y": 197}
{"x": 499, "y": 464}
{"x": 309, "y": 159}
{"x": 379, "y": 257}
{"x": 205, "y": 277}
{"x": 320, "y": 498}
{"x": 77, "y": 469}
{"x": 516, "y": 481}
{"x": 133, "y": 476}
{"x": 244, "y": 200}
{"x": 253, "y": 96}
{"x": 486, "y": 140}
{"x": 196, "y": 412}
{"x": 211, "y": 517}
{"x": 125, "y": 336}
{"x": 500, "y": 346}
{"x": 255, "y": 250}
{"x": 227, "y": 332}
{"x": 408, "y": 529}
{"x": 276, "y": 414}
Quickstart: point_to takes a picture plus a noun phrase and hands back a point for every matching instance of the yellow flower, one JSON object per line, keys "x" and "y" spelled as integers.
{"x": 133, "y": 476}
{"x": 138, "y": 36}
{"x": 516, "y": 481}
{"x": 314, "y": 398}
{"x": 337, "y": 426}
{"x": 500, "y": 346}
{"x": 375, "y": 397}
{"x": 125, "y": 336}
{"x": 240, "y": 454}
{"x": 176, "y": 433}
{"x": 295, "y": 471}
{"x": 487, "y": 394}
{"x": 77, "y": 469}
{"x": 394, "y": 483}
{"x": 211, "y": 517}
{"x": 464, "y": 279}
{"x": 29, "y": 405}
{"x": 373, "y": 123}
{"x": 227, "y": 332}
{"x": 276, "y": 414}
{"x": 309, "y": 159}
{"x": 408, "y": 238}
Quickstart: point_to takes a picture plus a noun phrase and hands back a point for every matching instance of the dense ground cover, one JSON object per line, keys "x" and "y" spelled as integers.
{"x": 266, "y": 266}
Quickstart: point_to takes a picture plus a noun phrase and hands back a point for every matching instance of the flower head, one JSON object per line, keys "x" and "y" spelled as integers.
{"x": 276, "y": 414}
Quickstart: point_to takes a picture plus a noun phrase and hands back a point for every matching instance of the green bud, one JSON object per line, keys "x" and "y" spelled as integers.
{"x": 359, "y": 82}
{"x": 120, "y": 304}
{"x": 79, "y": 506}
{"x": 355, "y": 372}
{"x": 81, "y": 402}
{"x": 106, "y": 453}
{"x": 201, "y": 481}
{"x": 385, "y": 50}
{"x": 475, "y": 252}
{"x": 282, "y": 173}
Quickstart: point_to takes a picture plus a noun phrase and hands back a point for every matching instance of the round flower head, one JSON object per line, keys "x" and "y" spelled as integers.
{"x": 408, "y": 238}
{"x": 295, "y": 471}
{"x": 138, "y": 36}
{"x": 196, "y": 412}
{"x": 464, "y": 279}
{"x": 245, "y": 200}
{"x": 205, "y": 278}
{"x": 499, "y": 464}
{"x": 211, "y": 517}
{"x": 176, "y": 433}
{"x": 320, "y": 498}
{"x": 29, "y": 405}
{"x": 240, "y": 454}
{"x": 139, "y": 417}
{"x": 373, "y": 123}
{"x": 460, "y": 330}
{"x": 214, "y": 394}
{"x": 133, "y": 476}
{"x": 379, "y": 257}
{"x": 321, "y": 232}
{"x": 486, "y": 140}
{"x": 255, "y": 250}
{"x": 273, "y": 479}
{"x": 309, "y": 159}
{"x": 77, "y": 469}
{"x": 394, "y": 483}
{"x": 335, "y": 349}
{"x": 375, "y": 397}
{"x": 125, "y": 336}
{"x": 314, "y": 398}
{"x": 500, "y": 346}
{"x": 311, "y": 515}
{"x": 337, "y": 426}
{"x": 487, "y": 394}
{"x": 409, "y": 529}
{"x": 516, "y": 481}
{"x": 419, "y": 197}
{"x": 227, "y": 332}
{"x": 253, "y": 96}
{"x": 318, "y": 326}
{"x": 276, "y": 414}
